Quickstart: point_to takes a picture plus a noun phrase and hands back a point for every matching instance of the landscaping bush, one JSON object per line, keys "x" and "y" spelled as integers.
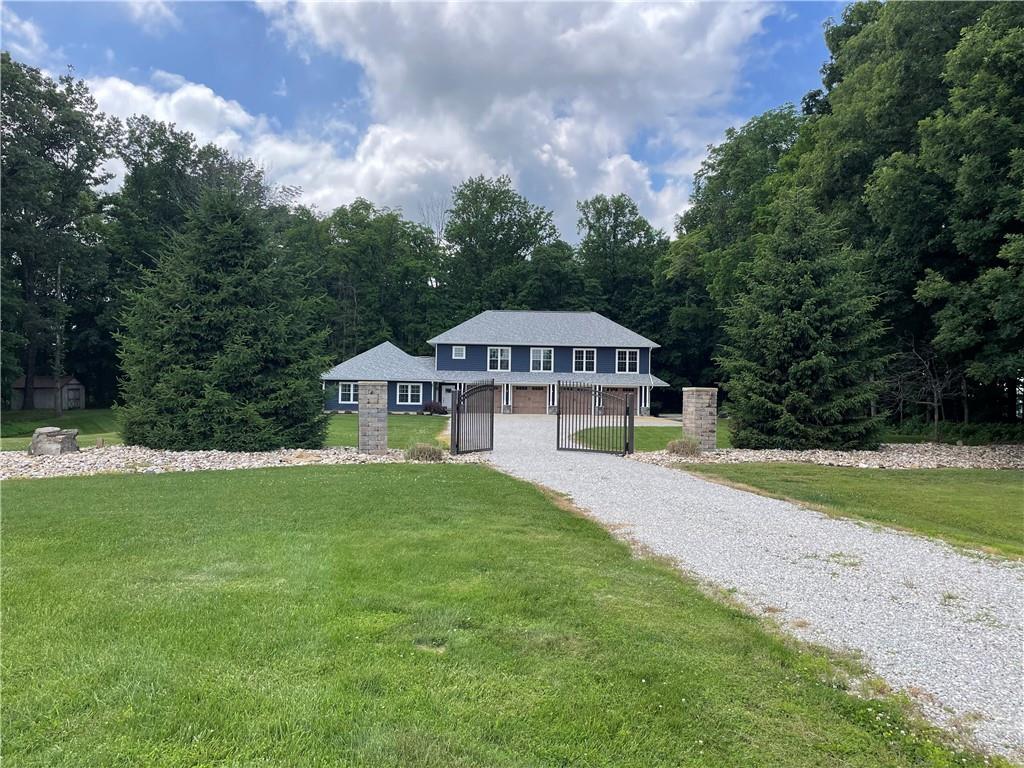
{"x": 221, "y": 348}
{"x": 685, "y": 446}
{"x": 424, "y": 452}
{"x": 434, "y": 408}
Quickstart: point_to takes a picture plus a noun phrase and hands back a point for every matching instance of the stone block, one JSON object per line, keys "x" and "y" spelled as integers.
{"x": 373, "y": 416}
{"x": 53, "y": 441}
{"x": 700, "y": 415}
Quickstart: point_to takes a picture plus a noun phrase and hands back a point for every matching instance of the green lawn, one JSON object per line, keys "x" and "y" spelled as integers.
{"x": 656, "y": 438}
{"x": 16, "y": 427}
{"x": 404, "y": 430}
{"x": 977, "y": 508}
{"x": 389, "y": 615}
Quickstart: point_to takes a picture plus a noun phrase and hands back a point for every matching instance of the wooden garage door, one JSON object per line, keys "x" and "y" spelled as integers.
{"x": 529, "y": 399}
{"x": 614, "y": 404}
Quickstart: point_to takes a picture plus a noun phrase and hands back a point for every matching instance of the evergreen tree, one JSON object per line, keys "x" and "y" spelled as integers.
{"x": 220, "y": 348}
{"x": 802, "y": 340}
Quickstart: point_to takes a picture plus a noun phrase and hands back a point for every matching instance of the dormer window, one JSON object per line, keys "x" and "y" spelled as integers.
{"x": 499, "y": 358}
{"x": 627, "y": 361}
{"x": 458, "y": 353}
{"x": 584, "y": 360}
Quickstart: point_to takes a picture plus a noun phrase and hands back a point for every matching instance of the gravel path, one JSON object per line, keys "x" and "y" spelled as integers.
{"x": 943, "y": 626}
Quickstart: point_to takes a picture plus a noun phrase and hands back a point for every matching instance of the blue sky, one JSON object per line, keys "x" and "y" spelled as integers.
{"x": 397, "y": 103}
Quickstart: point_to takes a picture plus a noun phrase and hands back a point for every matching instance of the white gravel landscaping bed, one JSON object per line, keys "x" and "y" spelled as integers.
{"x": 137, "y": 460}
{"x": 943, "y": 626}
{"x": 890, "y": 456}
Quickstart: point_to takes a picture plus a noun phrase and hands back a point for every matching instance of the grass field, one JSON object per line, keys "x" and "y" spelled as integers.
{"x": 17, "y": 427}
{"x": 389, "y": 615}
{"x": 976, "y": 508}
{"x": 656, "y": 438}
{"x": 404, "y": 430}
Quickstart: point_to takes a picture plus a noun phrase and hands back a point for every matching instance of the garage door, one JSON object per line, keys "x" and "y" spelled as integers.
{"x": 529, "y": 399}
{"x": 614, "y": 404}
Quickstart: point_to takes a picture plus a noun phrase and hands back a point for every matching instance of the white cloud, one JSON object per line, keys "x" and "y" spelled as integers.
{"x": 24, "y": 40}
{"x": 282, "y": 88}
{"x": 558, "y": 96}
{"x": 555, "y": 94}
{"x": 154, "y": 16}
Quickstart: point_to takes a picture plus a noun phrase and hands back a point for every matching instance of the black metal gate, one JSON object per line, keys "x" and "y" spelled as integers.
{"x": 473, "y": 418}
{"x": 591, "y": 419}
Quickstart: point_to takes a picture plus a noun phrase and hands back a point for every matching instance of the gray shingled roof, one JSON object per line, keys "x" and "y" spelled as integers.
{"x": 385, "y": 362}
{"x": 559, "y": 329}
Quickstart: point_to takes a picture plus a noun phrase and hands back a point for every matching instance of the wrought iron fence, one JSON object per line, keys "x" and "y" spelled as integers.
{"x": 473, "y": 418}
{"x": 590, "y": 418}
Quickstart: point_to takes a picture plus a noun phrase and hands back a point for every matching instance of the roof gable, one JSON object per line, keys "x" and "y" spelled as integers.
{"x": 385, "y": 362}
{"x": 527, "y": 327}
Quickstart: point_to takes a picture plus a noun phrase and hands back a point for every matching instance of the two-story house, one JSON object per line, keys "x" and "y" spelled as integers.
{"x": 526, "y": 353}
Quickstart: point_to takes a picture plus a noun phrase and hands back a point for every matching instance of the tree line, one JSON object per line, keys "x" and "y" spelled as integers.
{"x": 854, "y": 260}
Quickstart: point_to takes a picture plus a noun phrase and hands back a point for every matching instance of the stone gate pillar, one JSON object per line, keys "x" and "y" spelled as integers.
{"x": 700, "y": 415}
{"x": 373, "y": 416}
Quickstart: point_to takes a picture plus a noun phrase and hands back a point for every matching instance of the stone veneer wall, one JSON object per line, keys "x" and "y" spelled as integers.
{"x": 373, "y": 416}
{"x": 700, "y": 415}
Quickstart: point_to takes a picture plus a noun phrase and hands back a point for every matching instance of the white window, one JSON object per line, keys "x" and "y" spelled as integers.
{"x": 627, "y": 361}
{"x": 499, "y": 358}
{"x": 584, "y": 360}
{"x": 410, "y": 394}
{"x": 348, "y": 392}
{"x": 542, "y": 359}
{"x": 458, "y": 353}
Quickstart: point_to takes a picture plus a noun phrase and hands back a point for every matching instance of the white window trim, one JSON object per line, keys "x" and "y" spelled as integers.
{"x": 627, "y": 350}
{"x": 461, "y": 347}
{"x": 584, "y": 369}
{"x": 542, "y": 349}
{"x": 353, "y": 393}
{"x": 410, "y": 401}
{"x": 499, "y": 368}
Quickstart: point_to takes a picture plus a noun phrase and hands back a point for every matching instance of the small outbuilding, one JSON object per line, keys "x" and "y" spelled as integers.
{"x": 45, "y": 393}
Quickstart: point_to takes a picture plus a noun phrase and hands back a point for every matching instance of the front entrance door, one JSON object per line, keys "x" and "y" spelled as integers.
{"x": 446, "y": 396}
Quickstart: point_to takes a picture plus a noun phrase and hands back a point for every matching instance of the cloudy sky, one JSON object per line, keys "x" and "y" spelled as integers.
{"x": 396, "y": 103}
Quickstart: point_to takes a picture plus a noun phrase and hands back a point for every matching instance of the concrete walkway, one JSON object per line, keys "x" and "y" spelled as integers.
{"x": 942, "y": 625}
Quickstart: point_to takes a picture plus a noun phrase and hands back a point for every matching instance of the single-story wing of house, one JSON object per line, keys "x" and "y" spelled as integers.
{"x": 526, "y": 353}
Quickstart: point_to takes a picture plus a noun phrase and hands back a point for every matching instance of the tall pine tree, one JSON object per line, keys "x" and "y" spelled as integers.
{"x": 802, "y": 348}
{"x": 220, "y": 349}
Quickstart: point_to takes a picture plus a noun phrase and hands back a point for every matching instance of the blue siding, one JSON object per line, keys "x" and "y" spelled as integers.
{"x": 563, "y": 359}
{"x": 606, "y": 360}
{"x": 331, "y": 398}
{"x": 476, "y": 359}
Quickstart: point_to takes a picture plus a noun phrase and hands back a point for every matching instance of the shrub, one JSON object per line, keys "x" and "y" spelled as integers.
{"x": 685, "y": 446}
{"x": 435, "y": 408}
{"x": 221, "y": 348}
{"x": 424, "y": 452}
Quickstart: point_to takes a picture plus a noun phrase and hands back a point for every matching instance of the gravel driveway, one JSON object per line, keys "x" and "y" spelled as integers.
{"x": 944, "y": 626}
